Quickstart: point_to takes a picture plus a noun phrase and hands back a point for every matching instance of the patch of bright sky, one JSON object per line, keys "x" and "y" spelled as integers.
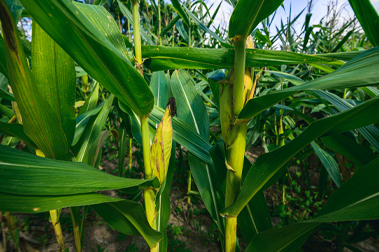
{"x": 319, "y": 11}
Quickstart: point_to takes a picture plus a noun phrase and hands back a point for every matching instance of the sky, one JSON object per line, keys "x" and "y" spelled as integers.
{"x": 319, "y": 11}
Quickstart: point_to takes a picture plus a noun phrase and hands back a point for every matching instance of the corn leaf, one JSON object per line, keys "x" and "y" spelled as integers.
{"x": 255, "y": 216}
{"x": 41, "y": 124}
{"x": 38, "y": 203}
{"x": 329, "y": 163}
{"x": 360, "y": 71}
{"x": 92, "y": 50}
{"x": 54, "y": 75}
{"x": 360, "y": 205}
{"x": 170, "y": 58}
{"x": 206, "y": 29}
{"x": 16, "y": 130}
{"x": 178, "y": 7}
{"x": 368, "y": 18}
{"x": 3, "y": 60}
{"x": 87, "y": 145}
{"x": 125, "y": 11}
{"x": 287, "y": 239}
{"x": 358, "y": 154}
{"x": 26, "y": 174}
{"x": 82, "y": 121}
{"x": 169, "y": 26}
{"x": 191, "y": 109}
{"x": 248, "y": 14}
{"x": 6, "y": 95}
{"x": 160, "y": 89}
{"x": 371, "y": 133}
{"x": 129, "y": 218}
{"x": 268, "y": 164}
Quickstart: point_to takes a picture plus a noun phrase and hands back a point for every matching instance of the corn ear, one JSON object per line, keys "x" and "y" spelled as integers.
{"x": 160, "y": 152}
{"x": 226, "y": 109}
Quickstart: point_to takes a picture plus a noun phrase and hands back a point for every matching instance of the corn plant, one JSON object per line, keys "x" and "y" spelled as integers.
{"x": 252, "y": 91}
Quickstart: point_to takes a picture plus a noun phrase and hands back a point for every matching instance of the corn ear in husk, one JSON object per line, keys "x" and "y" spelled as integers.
{"x": 160, "y": 151}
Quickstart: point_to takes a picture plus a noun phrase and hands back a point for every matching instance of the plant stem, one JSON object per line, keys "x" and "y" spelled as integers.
{"x": 239, "y": 69}
{"x": 173, "y": 33}
{"x": 57, "y": 229}
{"x": 230, "y": 231}
{"x": 76, "y": 230}
{"x": 235, "y": 157}
{"x": 189, "y": 196}
{"x": 130, "y": 154}
{"x": 137, "y": 37}
{"x": 159, "y": 22}
{"x": 148, "y": 194}
{"x": 234, "y": 138}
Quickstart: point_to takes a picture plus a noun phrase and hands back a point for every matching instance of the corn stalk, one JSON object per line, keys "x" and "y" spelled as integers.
{"x": 148, "y": 194}
{"x": 234, "y": 94}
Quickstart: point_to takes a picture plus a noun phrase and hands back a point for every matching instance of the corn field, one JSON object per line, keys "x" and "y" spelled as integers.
{"x": 160, "y": 82}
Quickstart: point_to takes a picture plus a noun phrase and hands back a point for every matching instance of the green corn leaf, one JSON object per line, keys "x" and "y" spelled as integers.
{"x": 26, "y": 174}
{"x": 358, "y": 154}
{"x": 81, "y": 123}
{"x": 6, "y": 95}
{"x": 125, "y": 11}
{"x": 342, "y": 42}
{"x": 255, "y": 216}
{"x": 37, "y": 204}
{"x": 191, "y": 109}
{"x": 6, "y": 111}
{"x": 170, "y": 58}
{"x": 93, "y": 51}
{"x": 371, "y": 133}
{"x": 16, "y": 130}
{"x": 371, "y": 91}
{"x": 206, "y": 29}
{"x": 169, "y": 26}
{"x": 360, "y": 71}
{"x": 40, "y": 122}
{"x": 360, "y": 205}
{"x": 87, "y": 145}
{"x": 16, "y": 9}
{"x": 329, "y": 163}
{"x": 129, "y": 218}
{"x": 287, "y": 239}
{"x": 3, "y": 60}
{"x": 248, "y": 14}
{"x": 54, "y": 75}
{"x": 178, "y": 7}
{"x": 268, "y": 164}
{"x": 91, "y": 100}
{"x": 368, "y": 17}
{"x": 159, "y": 87}
{"x": 182, "y": 31}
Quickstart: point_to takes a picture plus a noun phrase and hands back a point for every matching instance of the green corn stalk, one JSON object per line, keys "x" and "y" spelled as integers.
{"x": 148, "y": 194}
{"x": 156, "y": 159}
{"x": 159, "y": 22}
{"x": 234, "y": 94}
